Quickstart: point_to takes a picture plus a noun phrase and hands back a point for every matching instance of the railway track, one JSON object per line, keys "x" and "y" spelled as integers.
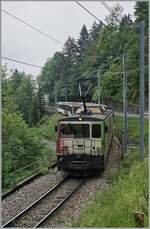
{"x": 25, "y": 182}
{"x": 37, "y": 214}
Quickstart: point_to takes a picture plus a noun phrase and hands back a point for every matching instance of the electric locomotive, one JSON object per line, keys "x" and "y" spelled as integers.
{"x": 84, "y": 139}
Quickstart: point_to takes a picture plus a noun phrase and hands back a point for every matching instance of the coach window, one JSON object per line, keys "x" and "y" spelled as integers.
{"x": 81, "y": 130}
{"x": 75, "y": 130}
{"x": 96, "y": 131}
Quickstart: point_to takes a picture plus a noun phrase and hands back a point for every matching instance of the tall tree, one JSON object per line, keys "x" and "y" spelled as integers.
{"x": 24, "y": 98}
{"x": 95, "y": 30}
{"x": 7, "y": 90}
{"x": 141, "y": 12}
{"x": 83, "y": 42}
{"x": 70, "y": 51}
{"x": 115, "y": 17}
{"x": 101, "y": 47}
{"x": 39, "y": 99}
{"x": 56, "y": 70}
{"x": 16, "y": 79}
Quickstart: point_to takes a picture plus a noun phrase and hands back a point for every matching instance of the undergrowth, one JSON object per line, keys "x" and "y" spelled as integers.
{"x": 46, "y": 127}
{"x": 127, "y": 193}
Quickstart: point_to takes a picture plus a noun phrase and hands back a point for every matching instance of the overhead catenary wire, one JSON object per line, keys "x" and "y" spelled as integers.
{"x": 92, "y": 15}
{"x": 32, "y": 27}
{"x": 21, "y": 62}
{"x": 113, "y": 58}
{"x": 34, "y": 65}
{"x": 106, "y": 6}
{"x": 118, "y": 76}
{"x": 112, "y": 73}
{"x": 89, "y": 12}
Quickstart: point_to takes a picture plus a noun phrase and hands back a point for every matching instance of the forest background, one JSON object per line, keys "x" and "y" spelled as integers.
{"x": 99, "y": 49}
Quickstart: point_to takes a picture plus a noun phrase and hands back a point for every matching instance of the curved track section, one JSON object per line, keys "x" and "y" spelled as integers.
{"x": 42, "y": 209}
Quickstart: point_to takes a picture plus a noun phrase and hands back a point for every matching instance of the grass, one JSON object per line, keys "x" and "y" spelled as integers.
{"x": 134, "y": 129}
{"x": 128, "y": 190}
{"x": 45, "y": 132}
{"x": 46, "y": 127}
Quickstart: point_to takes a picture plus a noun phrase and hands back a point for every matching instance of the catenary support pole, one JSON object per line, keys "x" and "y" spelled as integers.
{"x": 141, "y": 32}
{"x": 125, "y": 148}
{"x": 55, "y": 95}
{"x": 98, "y": 87}
{"x": 65, "y": 91}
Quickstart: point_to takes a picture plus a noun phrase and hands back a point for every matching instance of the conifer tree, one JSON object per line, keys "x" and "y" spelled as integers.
{"x": 95, "y": 30}
{"x": 83, "y": 42}
{"x": 70, "y": 50}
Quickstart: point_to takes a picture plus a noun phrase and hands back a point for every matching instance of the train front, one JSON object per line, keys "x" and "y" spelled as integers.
{"x": 79, "y": 145}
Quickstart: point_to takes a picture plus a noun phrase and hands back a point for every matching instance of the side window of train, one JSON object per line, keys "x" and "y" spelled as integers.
{"x": 96, "y": 130}
{"x": 55, "y": 128}
{"x": 105, "y": 128}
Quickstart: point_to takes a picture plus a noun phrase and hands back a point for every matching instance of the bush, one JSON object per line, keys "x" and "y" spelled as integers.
{"x": 19, "y": 146}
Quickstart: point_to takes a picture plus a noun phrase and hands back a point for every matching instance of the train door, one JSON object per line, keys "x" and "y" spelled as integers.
{"x": 96, "y": 136}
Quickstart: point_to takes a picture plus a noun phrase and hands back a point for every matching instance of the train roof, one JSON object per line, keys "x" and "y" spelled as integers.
{"x": 78, "y": 104}
{"x": 72, "y": 104}
{"x": 90, "y": 117}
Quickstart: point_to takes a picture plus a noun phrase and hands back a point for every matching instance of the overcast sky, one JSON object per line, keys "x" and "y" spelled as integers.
{"x": 59, "y": 19}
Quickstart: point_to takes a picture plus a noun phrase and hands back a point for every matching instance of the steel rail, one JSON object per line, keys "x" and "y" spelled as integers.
{"x": 12, "y": 221}
{"x": 24, "y": 182}
{"x": 39, "y": 224}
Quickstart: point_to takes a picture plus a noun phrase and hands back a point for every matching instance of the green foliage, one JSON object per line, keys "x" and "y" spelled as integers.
{"x": 25, "y": 99}
{"x": 127, "y": 193}
{"x": 110, "y": 82}
{"x": 141, "y": 12}
{"x": 70, "y": 51}
{"x": 7, "y": 99}
{"x": 22, "y": 96}
{"x": 83, "y": 42}
{"x": 20, "y": 93}
{"x": 101, "y": 47}
{"x": 94, "y": 32}
{"x": 46, "y": 127}
{"x": 133, "y": 129}
{"x": 23, "y": 146}
{"x": 45, "y": 131}
{"x": 44, "y": 163}
{"x": 20, "y": 147}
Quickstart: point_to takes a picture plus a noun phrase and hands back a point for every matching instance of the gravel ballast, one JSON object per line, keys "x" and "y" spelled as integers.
{"x": 25, "y": 196}
{"x": 71, "y": 210}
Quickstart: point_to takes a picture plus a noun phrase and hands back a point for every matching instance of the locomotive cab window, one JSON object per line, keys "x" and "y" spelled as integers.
{"x": 96, "y": 131}
{"x": 75, "y": 130}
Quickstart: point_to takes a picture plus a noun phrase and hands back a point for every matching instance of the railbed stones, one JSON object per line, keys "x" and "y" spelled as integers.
{"x": 25, "y": 196}
{"x": 70, "y": 211}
